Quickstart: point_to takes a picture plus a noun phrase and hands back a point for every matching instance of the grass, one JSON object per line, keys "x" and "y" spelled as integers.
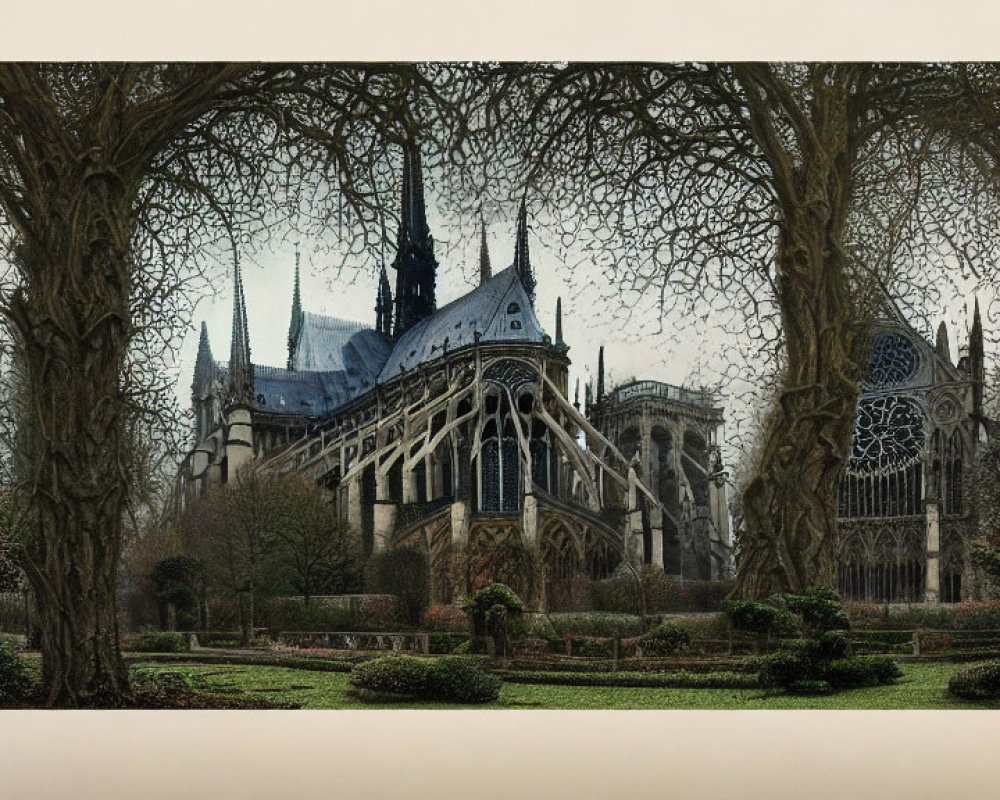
{"x": 923, "y": 686}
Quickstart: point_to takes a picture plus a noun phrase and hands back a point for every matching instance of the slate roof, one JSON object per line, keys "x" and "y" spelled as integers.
{"x": 338, "y": 360}
{"x": 329, "y": 344}
{"x": 499, "y": 309}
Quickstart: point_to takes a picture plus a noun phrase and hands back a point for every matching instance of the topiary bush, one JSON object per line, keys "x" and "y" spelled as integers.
{"x": 443, "y": 643}
{"x": 596, "y": 623}
{"x": 403, "y": 675}
{"x": 15, "y": 684}
{"x": 665, "y": 640}
{"x": 456, "y": 680}
{"x": 820, "y": 610}
{"x": 979, "y": 683}
{"x": 157, "y": 642}
{"x": 496, "y": 614}
{"x": 451, "y": 680}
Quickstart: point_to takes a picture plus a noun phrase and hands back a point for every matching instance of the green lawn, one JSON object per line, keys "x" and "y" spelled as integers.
{"x": 923, "y": 686}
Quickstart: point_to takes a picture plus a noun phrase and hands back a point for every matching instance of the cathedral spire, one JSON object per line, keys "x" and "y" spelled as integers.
{"x": 576, "y": 394}
{"x": 298, "y": 318}
{"x": 600, "y": 374}
{"x": 485, "y": 271}
{"x": 204, "y": 363}
{"x": 240, "y": 366}
{"x": 559, "y": 333}
{"x": 943, "y": 346}
{"x": 416, "y": 269}
{"x": 383, "y": 305}
{"x": 522, "y": 260}
{"x": 976, "y": 368}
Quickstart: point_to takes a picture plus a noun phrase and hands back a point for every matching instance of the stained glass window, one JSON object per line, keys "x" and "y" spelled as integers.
{"x": 894, "y": 361}
{"x": 888, "y": 435}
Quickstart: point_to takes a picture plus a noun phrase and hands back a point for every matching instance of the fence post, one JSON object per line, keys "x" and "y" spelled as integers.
{"x": 916, "y": 642}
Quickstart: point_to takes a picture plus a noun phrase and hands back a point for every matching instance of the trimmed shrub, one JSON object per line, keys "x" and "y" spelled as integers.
{"x": 850, "y": 672}
{"x": 820, "y": 609}
{"x": 292, "y": 615}
{"x": 496, "y": 613}
{"x": 597, "y": 623}
{"x": 666, "y": 640}
{"x": 760, "y": 619}
{"x": 452, "y": 680}
{"x": 443, "y": 643}
{"x": 456, "y": 680}
{"x": 979, "y": 683}
{"x": 157, "y": 642}
{"x": 810, "y": 688}
{"x": 15, "y": 684}
{"x": 402, "y": 675}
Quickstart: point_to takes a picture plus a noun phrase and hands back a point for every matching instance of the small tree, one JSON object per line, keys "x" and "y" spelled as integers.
{"x": 315, "y": 551}
{"x": 178, "y": 580}
{"x": 404, "y": 572}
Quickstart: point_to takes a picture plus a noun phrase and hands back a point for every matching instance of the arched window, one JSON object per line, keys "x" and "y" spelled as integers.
{"x": 952, "y": 466}
{"x": 513, "y": 308}
{"x": 540, "y": 458}
{"x": 500, "y": 470}
{"x": 515, "y": 324}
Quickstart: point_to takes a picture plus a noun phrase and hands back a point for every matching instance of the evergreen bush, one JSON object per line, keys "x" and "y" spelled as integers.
{"x": 665, "y": 640}
{"x": 449, "y": 679}
{"x": 15, "y": 684}
{"x": 979, "y": 683}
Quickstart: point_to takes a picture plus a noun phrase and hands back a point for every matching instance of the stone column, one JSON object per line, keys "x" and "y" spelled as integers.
{"x": 409, "y": 484}
{"x": 239, "y": 439}
{"x": 385, "y": 512}
{"x": 932, "y": 582}
{"x": 634, "y": 541}
{"x": 529, "y": 520}
{"x": 656, "y": 533}
{"x": 354, "y": 502}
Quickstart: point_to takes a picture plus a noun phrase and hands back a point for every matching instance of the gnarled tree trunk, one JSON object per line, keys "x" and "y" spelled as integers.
{"x": 789, "y": 538}
{"x": 72, "y": 317}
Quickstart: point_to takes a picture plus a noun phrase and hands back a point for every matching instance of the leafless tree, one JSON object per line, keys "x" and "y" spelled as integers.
{"x": 118, "y": 184}
{"x": 791, "y": 203}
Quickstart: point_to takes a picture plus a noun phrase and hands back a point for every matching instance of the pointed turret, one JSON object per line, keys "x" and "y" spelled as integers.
{"x": 943, "y": 347}
{"x": 297, "y": 318}
{"x": 240, "y": 367}
{"x": 576, "y": 395}
{"x": 976, "y": 368}
{"x": 600, "y": 374}
{"x": 559, "y": 334}
{"x": 416, "y": 269}
{"x": 383, "y": 305}
{"x": 204, "y": 366}
{"x": 522, "y": 260}
{"x": 485, "y": 271}
{"x": 588, "y": 397}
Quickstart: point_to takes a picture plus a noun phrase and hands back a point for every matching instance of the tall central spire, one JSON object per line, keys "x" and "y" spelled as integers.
{"x": 416, "y": 269}
{"x": 485, "y": 271}
{"x": 522, "y": 261}
{"x": 240, "y": 366}
{"x": 298, "y": 318}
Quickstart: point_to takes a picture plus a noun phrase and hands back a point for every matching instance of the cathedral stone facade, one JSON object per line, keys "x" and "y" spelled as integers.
{"x": 452, "y": 429}
{"x": 903, "y": 515}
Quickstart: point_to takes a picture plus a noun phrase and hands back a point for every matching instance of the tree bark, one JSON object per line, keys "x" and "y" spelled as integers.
{"x": 72, "y": 319}
{"x": 789, "y": 539}
{"x": 790, "y": 534}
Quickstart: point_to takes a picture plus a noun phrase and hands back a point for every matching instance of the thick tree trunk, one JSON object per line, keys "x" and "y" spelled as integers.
{"x": 73, "y": 322}
{"x": 789, "y": 536}
{"x": 789, "y": 506}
